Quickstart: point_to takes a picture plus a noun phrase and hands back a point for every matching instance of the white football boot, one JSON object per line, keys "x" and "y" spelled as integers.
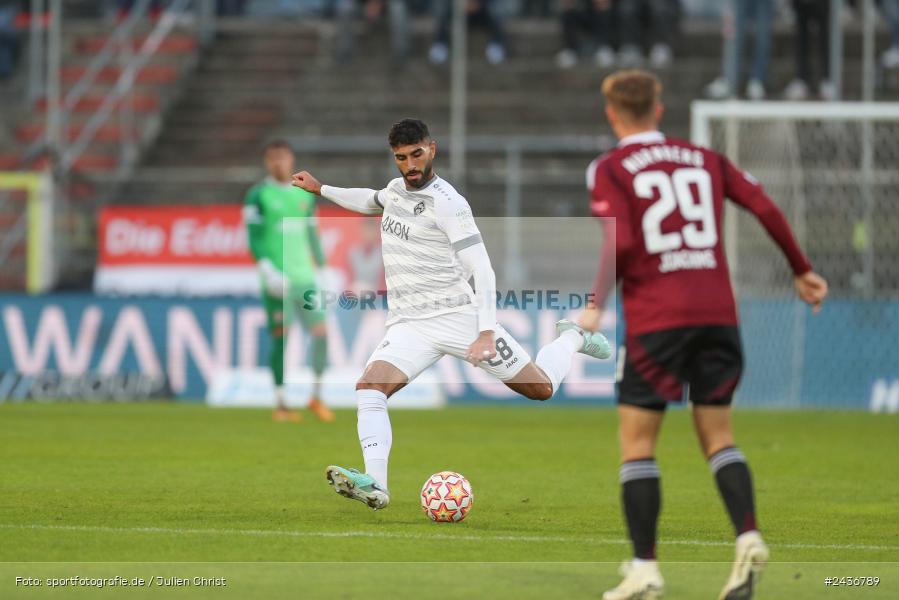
{"x": 642, "y": 581}
{"x": 752, "y": 554}
{"x": 352, "y": 484}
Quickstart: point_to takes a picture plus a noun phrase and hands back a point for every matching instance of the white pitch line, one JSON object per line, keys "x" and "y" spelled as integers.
{"x": 436, "y": 536}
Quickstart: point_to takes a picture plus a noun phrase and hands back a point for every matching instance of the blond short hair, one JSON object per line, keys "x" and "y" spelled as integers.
{"x": 633, "y": 94}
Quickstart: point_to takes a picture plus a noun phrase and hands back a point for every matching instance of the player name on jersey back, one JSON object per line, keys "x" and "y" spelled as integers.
{"x": 650, "y": 155}
{"x": 678, "y": 260}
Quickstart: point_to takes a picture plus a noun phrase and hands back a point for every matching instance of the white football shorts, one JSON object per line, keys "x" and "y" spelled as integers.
{"x": 414, "y": 345}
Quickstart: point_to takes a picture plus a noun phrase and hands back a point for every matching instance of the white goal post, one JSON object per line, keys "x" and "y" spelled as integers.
{"x": 833, "y": 168}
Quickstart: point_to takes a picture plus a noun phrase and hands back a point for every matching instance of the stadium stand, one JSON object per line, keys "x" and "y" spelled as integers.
{"x": 263, "y": 78}
{"x": 260, "y": 79}
{"x": 92, "y": 179}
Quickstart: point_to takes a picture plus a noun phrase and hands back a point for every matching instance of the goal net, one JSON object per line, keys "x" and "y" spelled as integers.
{"x": 832, "y": 169}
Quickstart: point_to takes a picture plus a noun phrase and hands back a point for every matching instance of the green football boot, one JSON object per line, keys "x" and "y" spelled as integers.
{"x": 595, "y": 343}
{"x": 350, "y": 483}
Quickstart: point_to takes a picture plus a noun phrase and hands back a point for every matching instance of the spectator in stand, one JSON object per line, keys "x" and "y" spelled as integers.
{"x": 890, "y": 58}
{"x": 536, "y": 8}
{"x": 661, "y": 16}
{"x": 480, "y": 12}
{"x": 9, "y": 37}
{"x": 596, "y": 19}
{"x": 736, "y": 23}
{"x": 231, "y": 8}
{"x": 123, "y": 8}
{"x": 397, "y": 14}
{"x": 811, "y": 14}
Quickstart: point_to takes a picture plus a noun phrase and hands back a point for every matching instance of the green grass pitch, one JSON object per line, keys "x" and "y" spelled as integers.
{"x": 175, "y": 490}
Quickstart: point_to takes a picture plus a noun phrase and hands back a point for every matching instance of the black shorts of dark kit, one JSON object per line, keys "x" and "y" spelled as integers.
{"x": 701, "y": 364}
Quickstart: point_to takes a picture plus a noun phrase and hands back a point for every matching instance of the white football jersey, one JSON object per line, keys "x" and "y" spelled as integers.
{"x": 421, "y": 231}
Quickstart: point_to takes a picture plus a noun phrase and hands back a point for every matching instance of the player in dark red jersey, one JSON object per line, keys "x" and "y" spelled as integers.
{"x": 667, "y": 199}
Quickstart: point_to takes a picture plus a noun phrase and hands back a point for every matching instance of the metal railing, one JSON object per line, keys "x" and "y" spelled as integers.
{"x": 45, "y": 79}
{"x": 45, "y": 48}
{"x": 131, "y": 65}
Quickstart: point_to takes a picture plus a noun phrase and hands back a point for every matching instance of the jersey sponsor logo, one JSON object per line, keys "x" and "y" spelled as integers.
{"x": 419, "y": 208}
{"x": 395, "y": 227}
{"x": 683, "y": 260}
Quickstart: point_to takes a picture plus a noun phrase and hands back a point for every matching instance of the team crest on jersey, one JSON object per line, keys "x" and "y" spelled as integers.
{"x": 419, "y": 208}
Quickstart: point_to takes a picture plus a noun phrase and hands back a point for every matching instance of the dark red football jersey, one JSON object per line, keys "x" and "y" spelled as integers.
{"x": 666, "y": 246}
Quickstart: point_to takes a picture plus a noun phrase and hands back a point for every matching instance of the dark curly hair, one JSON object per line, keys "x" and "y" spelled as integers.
{"x": 408, "y": 131}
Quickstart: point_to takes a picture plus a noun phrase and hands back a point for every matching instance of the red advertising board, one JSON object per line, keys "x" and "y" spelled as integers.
{"x": 173, "y": 235}
{"x": 200, "y": 250}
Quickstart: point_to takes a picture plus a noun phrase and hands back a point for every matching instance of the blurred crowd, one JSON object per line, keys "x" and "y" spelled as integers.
{"x": 609, "y": 33}
{"x": 587, "y": 26}
{"x": 623, "y": 33}
{"x": 811, "y": 21}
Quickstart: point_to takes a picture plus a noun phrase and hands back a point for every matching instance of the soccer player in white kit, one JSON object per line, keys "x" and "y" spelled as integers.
{"x": 431, "y": 247}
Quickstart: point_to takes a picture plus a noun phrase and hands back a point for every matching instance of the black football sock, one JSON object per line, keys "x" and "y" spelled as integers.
{"x": 735, "y": 484}
{"x": 642, "y": 500}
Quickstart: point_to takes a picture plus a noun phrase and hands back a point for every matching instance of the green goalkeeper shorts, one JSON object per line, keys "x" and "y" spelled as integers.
{"x": 304, "y": 302}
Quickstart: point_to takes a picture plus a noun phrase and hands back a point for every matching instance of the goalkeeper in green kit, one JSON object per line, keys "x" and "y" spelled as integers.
{"x": 283, "y": 237}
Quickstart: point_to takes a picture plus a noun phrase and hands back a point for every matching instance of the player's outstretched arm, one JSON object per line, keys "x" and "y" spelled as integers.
{"x": 475, "y": 260}
{"x": 455, "y": 218}
{"x": 360, "y": 200}
{"x": 812, "y": 289}
{"x": 609, "y": 203}
{"x": 748, "y": 193}
{"x": 304, "y": 180}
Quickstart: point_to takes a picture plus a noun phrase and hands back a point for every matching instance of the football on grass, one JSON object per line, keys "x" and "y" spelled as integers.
{"x": 446, "y": 497}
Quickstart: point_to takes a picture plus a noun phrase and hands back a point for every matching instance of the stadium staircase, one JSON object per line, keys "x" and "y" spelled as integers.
{"x": 262, "y": 79}
{"x": 93, "y": 175}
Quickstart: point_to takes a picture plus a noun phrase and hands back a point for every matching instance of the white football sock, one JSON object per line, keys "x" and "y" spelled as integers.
{"x": 375, "y": 435}
{"x": 555, "y": 357}
{"x": 279, "y": 397}
{"x": 637, "y": 562}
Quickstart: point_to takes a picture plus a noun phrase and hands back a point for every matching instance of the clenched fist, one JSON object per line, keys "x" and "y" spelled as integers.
{"x": 305, "y": 180}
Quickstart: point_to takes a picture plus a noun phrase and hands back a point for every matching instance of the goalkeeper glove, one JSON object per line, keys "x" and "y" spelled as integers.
{"x": 272, "y": 279}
